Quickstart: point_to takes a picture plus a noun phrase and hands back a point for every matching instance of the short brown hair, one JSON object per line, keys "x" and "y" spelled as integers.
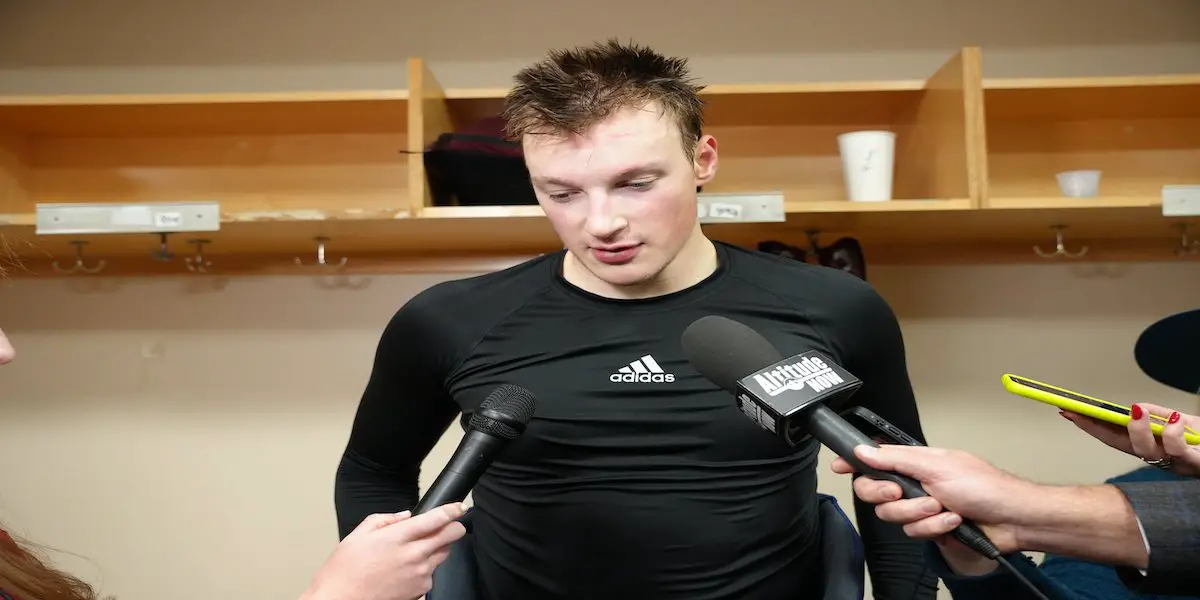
{"x": 572, "y": 90}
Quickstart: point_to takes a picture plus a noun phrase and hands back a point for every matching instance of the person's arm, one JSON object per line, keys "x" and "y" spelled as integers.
{"x": 873, "y": 347}
{"x": 1091, "y": 523}
{"x": 404, "y": 411}
{"x": 1169, "y": 514}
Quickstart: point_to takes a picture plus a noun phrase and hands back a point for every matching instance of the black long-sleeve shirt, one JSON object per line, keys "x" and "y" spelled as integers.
{"x": 637, "y": 477}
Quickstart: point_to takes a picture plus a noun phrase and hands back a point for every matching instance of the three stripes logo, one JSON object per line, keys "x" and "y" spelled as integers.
{"x": 642, "y": 370}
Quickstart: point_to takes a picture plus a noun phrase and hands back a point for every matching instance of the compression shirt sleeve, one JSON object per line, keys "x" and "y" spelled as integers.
{"x": 873, "y": 347}
{"x": 404, "y": 411}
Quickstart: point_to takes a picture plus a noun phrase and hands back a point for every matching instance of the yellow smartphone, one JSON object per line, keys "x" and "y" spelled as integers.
{"x": 1082, "y": 404}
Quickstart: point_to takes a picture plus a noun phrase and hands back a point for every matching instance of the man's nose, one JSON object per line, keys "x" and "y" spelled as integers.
{"x": 604, "y": 220}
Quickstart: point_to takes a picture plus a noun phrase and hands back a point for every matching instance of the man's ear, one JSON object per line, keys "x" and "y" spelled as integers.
{"x": 705, "y": 162}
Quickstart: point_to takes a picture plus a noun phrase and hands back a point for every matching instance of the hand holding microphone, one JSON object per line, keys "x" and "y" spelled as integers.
{"x": 798, "y": 396}
{"x": 958, "y": 483}
{"x": 393, "y": 556}
{"x": 388, "y": 557}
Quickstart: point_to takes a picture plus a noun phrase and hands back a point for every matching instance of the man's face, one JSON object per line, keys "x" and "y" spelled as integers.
{"x": 7, "y": 353}
{"x": 622, "y": 197}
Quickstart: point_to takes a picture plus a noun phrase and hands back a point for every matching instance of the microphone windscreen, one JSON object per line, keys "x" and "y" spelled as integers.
{"x": 724, "y": 350}
{"x": 505, "y": 412}
{"x": 1166, "y": 351}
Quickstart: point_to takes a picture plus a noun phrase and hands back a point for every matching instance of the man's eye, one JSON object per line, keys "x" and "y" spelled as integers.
{"x": 640, "y": 185}
{"x": 560, "y": 196}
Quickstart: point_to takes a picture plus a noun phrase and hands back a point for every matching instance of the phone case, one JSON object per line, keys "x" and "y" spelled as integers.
{"x": 1075, "y": 402}
{"x": 865, "y": 419}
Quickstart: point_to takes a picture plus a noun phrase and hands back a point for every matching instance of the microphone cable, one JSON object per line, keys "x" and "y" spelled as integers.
{"x": 973, "y": 538}
{"x": 1012, "y": 570}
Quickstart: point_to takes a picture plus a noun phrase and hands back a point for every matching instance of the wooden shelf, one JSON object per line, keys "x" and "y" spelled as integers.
{"x": 974, "y": 173}
{"x": 783, "y": 137}
{"x": 1141, "y": 132}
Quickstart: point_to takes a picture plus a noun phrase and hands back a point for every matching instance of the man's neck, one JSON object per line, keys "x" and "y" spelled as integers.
{"x": 695, "y": 262}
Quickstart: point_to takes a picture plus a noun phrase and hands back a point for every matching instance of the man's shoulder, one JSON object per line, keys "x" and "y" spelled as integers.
{"x": 470, "y": 305}
{"x": 798, "y": 282}
{"x": 518, "y": 281}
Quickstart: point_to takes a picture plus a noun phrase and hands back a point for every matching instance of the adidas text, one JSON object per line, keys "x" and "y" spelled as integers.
{"x": 642, "y": 370}
{"x": 641, "y": 378}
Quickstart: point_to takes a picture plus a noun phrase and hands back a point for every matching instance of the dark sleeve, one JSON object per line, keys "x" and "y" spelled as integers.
{"x": 404, "y": 411}
{"x": 1169, "y": 513}
{"x": 1058, "y": 578}
{"x": 869, "y": 339}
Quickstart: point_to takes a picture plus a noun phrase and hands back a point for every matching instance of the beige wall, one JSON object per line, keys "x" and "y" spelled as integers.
{"x": 180, "y": 441}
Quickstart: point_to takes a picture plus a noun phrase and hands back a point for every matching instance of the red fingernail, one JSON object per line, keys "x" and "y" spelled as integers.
{"x": 1135, "y": 412}
{"x": 1174, "y": 418}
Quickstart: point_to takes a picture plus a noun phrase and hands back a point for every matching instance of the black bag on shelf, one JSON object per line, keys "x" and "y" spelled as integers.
{"x": 846, "y": 254}
{"x": 478, "y": 166}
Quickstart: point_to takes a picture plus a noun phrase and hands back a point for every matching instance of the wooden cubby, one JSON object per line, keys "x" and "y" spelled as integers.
{"x": 974, "y": 174}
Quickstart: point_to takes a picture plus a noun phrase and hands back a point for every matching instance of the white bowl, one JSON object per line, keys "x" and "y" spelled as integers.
{"x": 1079, "y": 184}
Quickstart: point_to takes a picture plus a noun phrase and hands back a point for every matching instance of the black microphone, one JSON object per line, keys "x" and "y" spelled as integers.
{"x": 500, "y": 419}
{"x": 788, "y": 397}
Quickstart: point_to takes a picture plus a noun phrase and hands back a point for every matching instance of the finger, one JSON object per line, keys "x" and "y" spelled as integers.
{"x": 1141, "y": 438}
{"x": 841, "y": 467}
{"x": 439, "y": 541}
{"x": 1173, "y": 442}
{"x": 933, "y": 527}
{"x": 919, "y": 462}
{"x": 909, "y": 510}
{"x": 1115, "y": 436}
{"x": 426, "y": 524}
{"x": 874, "y": 491}
{"x": 1191, "y": 422}
{"x": 7, "y": 352}
{"x": 379, "y": 521}
{"x": 439, "y": 557}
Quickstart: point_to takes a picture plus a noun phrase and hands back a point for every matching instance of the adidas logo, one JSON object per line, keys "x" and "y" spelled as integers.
{"x": 642, "y": 370}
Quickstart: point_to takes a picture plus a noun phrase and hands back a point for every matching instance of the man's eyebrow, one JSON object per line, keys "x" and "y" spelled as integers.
{"x": 629, "y": 173}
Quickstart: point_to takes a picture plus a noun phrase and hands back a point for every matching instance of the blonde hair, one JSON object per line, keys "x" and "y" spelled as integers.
{"x": 573, "y": 89}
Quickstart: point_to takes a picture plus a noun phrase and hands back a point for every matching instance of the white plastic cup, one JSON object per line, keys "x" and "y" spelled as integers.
{"x": 868, "y": 161}
{"x": 1079, "y": 184}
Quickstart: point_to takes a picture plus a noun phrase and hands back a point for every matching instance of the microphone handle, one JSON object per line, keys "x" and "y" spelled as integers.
{"x": 839, "y": 435}
{"x": 472, "y": 457}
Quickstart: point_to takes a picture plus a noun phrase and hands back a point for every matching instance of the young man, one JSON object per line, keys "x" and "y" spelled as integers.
{"x": 637, "y": 477}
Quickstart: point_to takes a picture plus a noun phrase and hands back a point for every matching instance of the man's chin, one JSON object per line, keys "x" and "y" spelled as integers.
{"x": 624, "y": 275}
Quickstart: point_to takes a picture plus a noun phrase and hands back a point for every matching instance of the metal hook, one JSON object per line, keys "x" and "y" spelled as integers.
{"x": 162, "y": 254}
{"x": 197, "y": 263}
{"x": 1060, "y": 247}
{"x": 811, "y": 251}
{"x": 78, "y": 266}
{"x": 321, "y": 256}
{"x": 1186, "y": 245}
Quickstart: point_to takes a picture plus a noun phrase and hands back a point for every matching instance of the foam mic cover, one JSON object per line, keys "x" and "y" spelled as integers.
{"x": 778, "y": 393}
{"x": 500, "y": 419}
{"x": 1166, "y": 351}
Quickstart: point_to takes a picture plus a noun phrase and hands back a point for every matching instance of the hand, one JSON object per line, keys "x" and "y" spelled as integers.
{"x": 7, "y": 353}
{"x": 388, "y": 556}
{"x": 1138, "y": 440}
{"x": 958, "y": 483}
